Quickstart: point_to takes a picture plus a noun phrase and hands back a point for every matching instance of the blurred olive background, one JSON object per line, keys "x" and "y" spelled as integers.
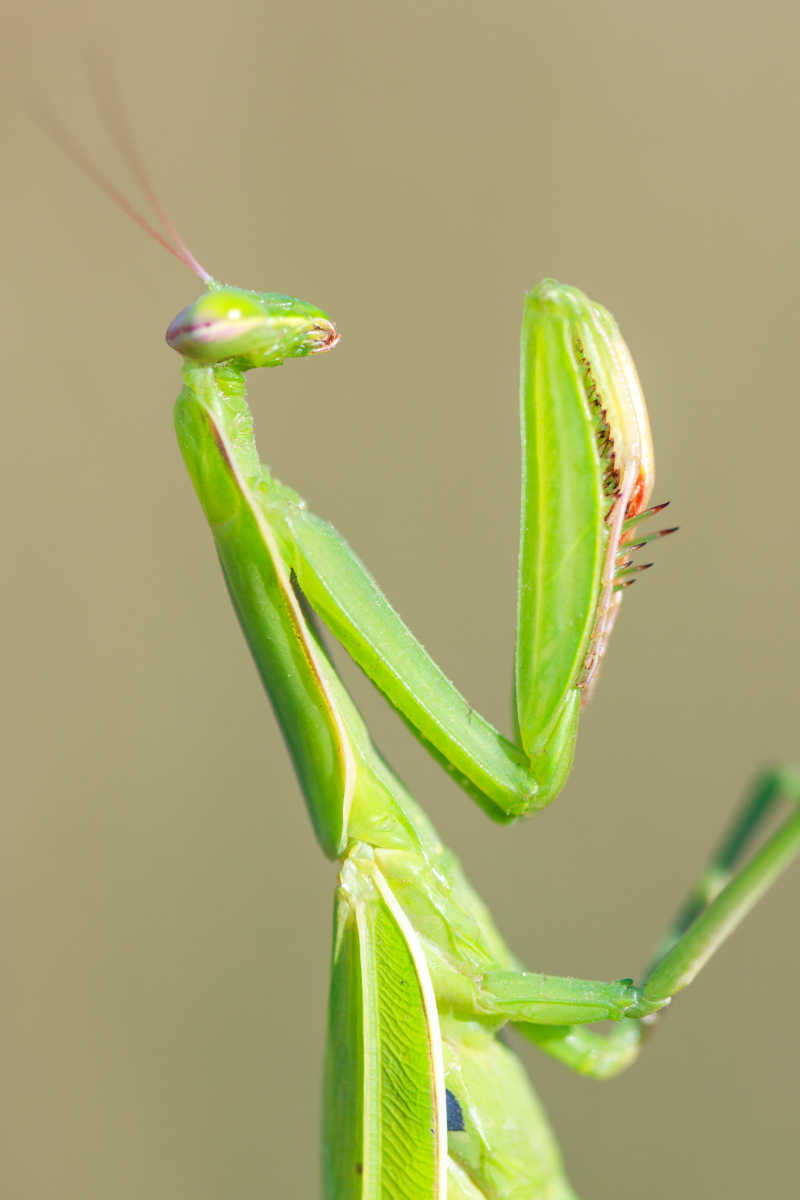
{"x": 412, "y": 168}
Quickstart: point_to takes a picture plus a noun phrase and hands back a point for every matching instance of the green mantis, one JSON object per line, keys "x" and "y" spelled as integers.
{"x": 422, "y": 1098}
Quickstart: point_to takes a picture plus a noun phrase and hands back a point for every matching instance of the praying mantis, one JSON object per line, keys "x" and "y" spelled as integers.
{"x": 423, "y": 1099}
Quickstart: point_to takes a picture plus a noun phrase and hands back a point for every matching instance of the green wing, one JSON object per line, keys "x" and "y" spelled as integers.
{"x": 384, "y": 1122}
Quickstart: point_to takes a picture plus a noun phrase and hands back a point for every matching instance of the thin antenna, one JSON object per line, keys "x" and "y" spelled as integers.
{"x": 113, "y": 115}
{"x": 73, "y": 151}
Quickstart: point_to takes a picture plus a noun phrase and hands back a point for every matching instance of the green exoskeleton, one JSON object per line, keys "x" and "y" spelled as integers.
{"x": 422, "y": 1099}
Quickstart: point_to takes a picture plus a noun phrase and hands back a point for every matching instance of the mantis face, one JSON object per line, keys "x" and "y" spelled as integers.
{"x": 249, "y": 329}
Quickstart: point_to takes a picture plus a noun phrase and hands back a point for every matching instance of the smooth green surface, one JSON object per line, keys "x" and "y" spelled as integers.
{"x": 344, "y": 1127}
{"x": 214, "y": 431}
{"x": 564, "y": 534}
{"x": 358, "y": 613}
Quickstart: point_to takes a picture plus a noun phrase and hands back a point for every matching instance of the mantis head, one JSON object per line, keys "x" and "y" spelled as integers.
{"x": 249, "y": 329}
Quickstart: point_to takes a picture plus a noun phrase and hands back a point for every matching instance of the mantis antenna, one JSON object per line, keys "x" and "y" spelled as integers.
{"x": 113, "y": 114}
{"x": 173, "y": 243}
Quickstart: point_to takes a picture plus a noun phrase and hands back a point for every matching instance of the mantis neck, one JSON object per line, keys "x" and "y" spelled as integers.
{"x": 351, "y": 794}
